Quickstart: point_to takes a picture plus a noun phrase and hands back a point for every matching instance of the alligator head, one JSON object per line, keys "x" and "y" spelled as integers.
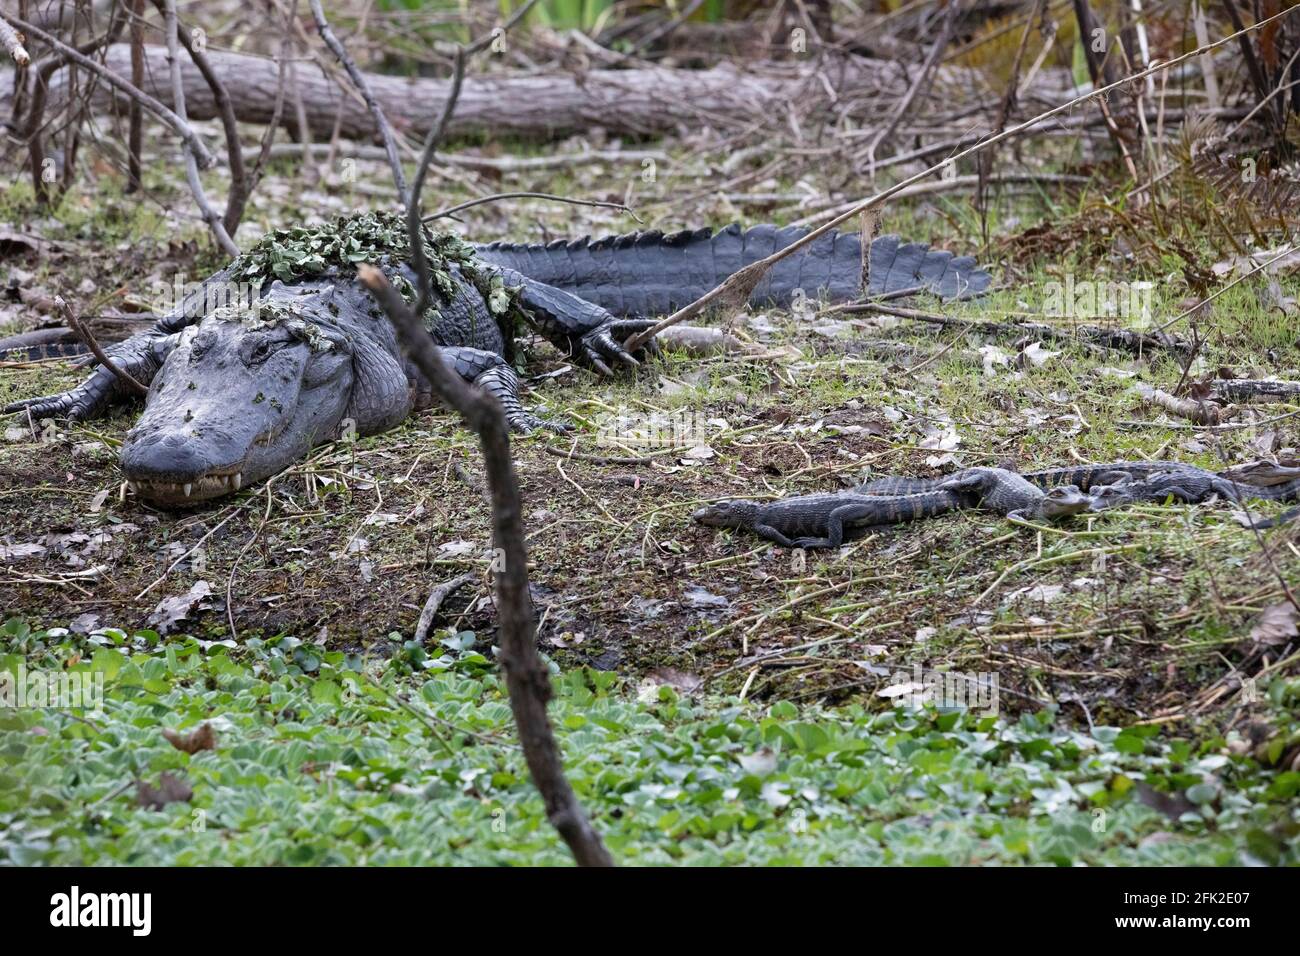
{"x": 246, "y": 393}
{"x": 1063, "y": 501}
{"x": 1114, "y": 495}
{"x": 736, "y": 513}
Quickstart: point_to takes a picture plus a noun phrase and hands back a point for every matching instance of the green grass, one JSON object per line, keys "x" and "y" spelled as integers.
{"x": 317, "y": 762}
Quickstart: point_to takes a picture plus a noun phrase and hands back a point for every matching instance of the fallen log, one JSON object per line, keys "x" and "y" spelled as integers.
{"x": 1199, "y": 412}
{"x": 646, "y": 100}
{"x": 1256, "y": 390}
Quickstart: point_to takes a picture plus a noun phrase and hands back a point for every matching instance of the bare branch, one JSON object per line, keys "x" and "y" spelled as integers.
{"x": 191, "y": 158}
{"x": 497, "y": 197}
{"x": 268, "y": 136}
{"x": 413, "y": 224}
{"x": 135, "y": 118}
{"x": 1092, "y": 335}
{"x": 922, "y": 81}
{"x": 436, "y": 597}
{"x": 239, "y": 191}
{"x": 359, "y": 81}
{"x": 13, "y": 43}
{"x": 183, "y": 129}
{"x": 1202, "y": 413}
{"x": 35, "y": 119}
{"x": 527, "y": 681}
{"x": 83, "y": 333}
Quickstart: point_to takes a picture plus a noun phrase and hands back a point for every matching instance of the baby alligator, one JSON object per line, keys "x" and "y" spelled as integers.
{"x": 1084, "y": 477}
{"x": 819, "y": 521}
{"x": 1189, "y": 486}
{"x": 1123, "y": 482}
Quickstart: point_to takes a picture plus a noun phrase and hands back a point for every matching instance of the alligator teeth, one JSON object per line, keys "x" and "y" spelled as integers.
{"x": 188, "y": 486}
{"x": 237, "y": 480}
{"x": 132, "y": 487}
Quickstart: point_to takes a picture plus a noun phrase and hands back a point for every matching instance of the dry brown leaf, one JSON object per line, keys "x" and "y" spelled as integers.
{"x": 171, "y": 611}
{"x": 204, "y": 738}
{"x": 1276, "y": 625}
{"x": 170, "y": 789}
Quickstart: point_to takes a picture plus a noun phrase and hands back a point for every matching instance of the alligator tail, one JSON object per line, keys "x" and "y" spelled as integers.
{"x": 650, "y": 273}
{"x": 1284, "y": 518}
{"x": 43, "y": 350}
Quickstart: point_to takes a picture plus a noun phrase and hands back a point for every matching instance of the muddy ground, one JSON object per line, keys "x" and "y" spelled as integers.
{"x": 1141, "y": 614}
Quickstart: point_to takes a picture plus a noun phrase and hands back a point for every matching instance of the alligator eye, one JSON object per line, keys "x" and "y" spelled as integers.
{"x": 199, "y": 346}
{"x": 263, "y": 350}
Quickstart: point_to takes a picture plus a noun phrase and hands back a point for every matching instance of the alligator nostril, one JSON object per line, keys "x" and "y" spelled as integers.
{"x": 141, "y": 437}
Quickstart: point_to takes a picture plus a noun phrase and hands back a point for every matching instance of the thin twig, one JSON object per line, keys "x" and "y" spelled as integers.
{"x": 436, "y": 597}
{"x": 237, "y": 198}
{"x": 1218, "y": 292}
{"x": 431, "y": 144}
{"x": 922, "y": 81}
{"x": 13, "y": 43}
{"x": 135, "y": 117}
{"x": 182, "y": 128}
{"x": 359, "y": 81}
{"x": 497, "y": 197}
{"x": 527, "y": 680}
{"x": 83, "y": 333}
{"x": 209, "y": 214}
{"x": 273, "y": 125}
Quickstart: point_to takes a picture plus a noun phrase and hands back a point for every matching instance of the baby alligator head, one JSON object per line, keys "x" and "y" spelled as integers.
{"x": 240, "y": 398}
{"x": 737, "y": 513}
{"x": 1059, "y": 502}
{"x": 1105, "y": 497}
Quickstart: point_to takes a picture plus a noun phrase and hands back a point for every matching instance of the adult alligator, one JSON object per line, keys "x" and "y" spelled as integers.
{"x": 820, "y": 521}
{"x": 240, "y": 392}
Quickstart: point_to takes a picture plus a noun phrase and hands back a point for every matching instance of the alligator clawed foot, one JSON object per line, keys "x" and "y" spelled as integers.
{"x": 524, "y": 423}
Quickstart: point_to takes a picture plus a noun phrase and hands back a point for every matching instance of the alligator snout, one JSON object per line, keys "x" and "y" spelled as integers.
{"x": 1065, "y": 500}
{"x": 176, "y": 465}
{"x": 222, "y": 413}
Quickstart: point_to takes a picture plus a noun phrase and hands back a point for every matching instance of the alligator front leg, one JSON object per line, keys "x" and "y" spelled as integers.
{"x": 491, "y": 372}
{"x": 835, "y": 522}
{"x": 581, "y": 329}
{"x": 777, "y": 537}
{"x": 140, "y": 356}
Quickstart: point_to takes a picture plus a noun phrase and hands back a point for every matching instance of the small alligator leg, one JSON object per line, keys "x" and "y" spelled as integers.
{"x": 835, "y": 522}
{"x": 139, "y": 356}
{"x": 771, "y": 534}
{"x": 491, "y": 372}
